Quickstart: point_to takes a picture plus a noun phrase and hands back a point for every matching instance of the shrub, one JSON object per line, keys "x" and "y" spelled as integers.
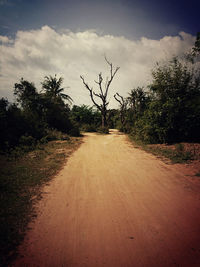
{"x": 75, "y": 131}
{"x": 27, "y": 140}
{"x": 103, "y": 130}
{"x": 53, "y": 134}
{"x": 88, "y": 128}
{"x": 179, "y": 147}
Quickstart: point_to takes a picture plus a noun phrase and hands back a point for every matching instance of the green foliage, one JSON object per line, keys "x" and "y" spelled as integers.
{"x": 75, "y": 131}
{"x": 12, "y": 125}
{"x": 138, "y": 100}
{"x": 54, "y": 135}
{"x": 27, "y": 140}
{"x": 88, "y": 128}
{"x": 175, "y": 156}
{"x": 87, "y": 118}
{"x": 172, "y": 113}
{"x": 196, "y": 48}
{"x": 26, "y": 94}
{"x": 34, "y": 114}
{"x": 103, "y": 130}
{"x": 113, "y": 119}
{"x": 52, "y": 87}
{"x": 176, "y": 153}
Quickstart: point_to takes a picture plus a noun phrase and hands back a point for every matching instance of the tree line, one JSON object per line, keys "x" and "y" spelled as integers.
{"x": 166, "y": 111}
{"x": 38, "y": 116}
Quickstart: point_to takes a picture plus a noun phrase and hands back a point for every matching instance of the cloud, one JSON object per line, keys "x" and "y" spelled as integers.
{"x": 5, "y": 39}
{"x": 37, "y": 53}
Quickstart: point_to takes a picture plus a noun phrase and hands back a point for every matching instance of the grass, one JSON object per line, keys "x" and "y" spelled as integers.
{"x": 176, "y": 154}
{"x": 21, "y": 180}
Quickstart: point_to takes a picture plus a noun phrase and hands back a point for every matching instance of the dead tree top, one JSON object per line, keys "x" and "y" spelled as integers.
{"x": 103, "y": 92}
{"x": 123, "y": 102}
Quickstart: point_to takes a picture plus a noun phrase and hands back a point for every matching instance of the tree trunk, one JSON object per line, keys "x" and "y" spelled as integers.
{"x": 103, "y": 119}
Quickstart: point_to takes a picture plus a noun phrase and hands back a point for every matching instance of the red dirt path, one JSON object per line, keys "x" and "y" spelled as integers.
{"x": 114, "y": 205}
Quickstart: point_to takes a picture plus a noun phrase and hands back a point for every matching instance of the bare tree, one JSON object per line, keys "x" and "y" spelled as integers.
{"x": 103, "y": 92}
{"x": 123, "y": 108}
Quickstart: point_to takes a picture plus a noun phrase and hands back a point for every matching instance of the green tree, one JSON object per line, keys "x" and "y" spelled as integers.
{"x": 12, "y": 124}
{"x": 32, "y": 106}
{"x": 26, "y": 94}
{"x": 53, "y": 89}
{"x": 56, "y": 112}
{"x": 173, "y": 114}
{"x": 137, "y": 100}
{"x": 87, "y": 118}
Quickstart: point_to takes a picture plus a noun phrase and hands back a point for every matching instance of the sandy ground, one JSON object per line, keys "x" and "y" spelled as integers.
{"x": 115, "y": 205}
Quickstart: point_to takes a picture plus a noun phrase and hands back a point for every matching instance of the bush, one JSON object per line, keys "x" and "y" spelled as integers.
{"x": 75, "y": 131}
{"x": 27, "y": 140}
{"x": 88, "y": 128}
{"x": 54, "y": 135}
{"x": 103, "y": 130}
{"x": 179, "y": 147}
{"x": 43, "y": 140}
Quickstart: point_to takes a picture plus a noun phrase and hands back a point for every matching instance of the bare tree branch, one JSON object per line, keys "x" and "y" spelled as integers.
{"x": 123, "y": 108}
{"x": 102, "y": 93}
{"x": 112, "y": 75}
{"x": 100, "y": 83}
{"x": 115, "y": 96}
{"x": 91, "y": 93}
{"x": 98, "y": 95}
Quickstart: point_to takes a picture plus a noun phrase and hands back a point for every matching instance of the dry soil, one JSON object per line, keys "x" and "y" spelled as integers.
{"x": 115, "y": 205}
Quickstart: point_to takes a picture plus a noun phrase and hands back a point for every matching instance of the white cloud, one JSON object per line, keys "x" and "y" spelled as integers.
{"x": 5, "y": 39}
{"x": 37, "y": 53}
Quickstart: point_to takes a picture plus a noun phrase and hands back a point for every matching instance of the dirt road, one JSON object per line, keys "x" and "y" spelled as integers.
{"x": 115, "y": 205}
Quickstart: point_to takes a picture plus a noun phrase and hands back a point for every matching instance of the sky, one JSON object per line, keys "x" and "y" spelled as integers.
{"x": 70, "y": 38}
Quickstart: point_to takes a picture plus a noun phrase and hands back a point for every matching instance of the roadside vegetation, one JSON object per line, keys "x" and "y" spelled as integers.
{"x": 22, "y": 176}
{"x": 168, "y": 110}
{"x": 175, "y": 153}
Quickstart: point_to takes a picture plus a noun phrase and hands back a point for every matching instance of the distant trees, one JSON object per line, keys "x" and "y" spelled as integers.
{"x": 167, "y": 111}
{"x": 132, "y": 107}
{"x": 103, "y": 92}
{"x": 87, "y": 118}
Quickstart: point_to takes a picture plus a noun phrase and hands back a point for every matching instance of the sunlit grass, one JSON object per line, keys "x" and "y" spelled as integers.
{"x": 176, "y": 154}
